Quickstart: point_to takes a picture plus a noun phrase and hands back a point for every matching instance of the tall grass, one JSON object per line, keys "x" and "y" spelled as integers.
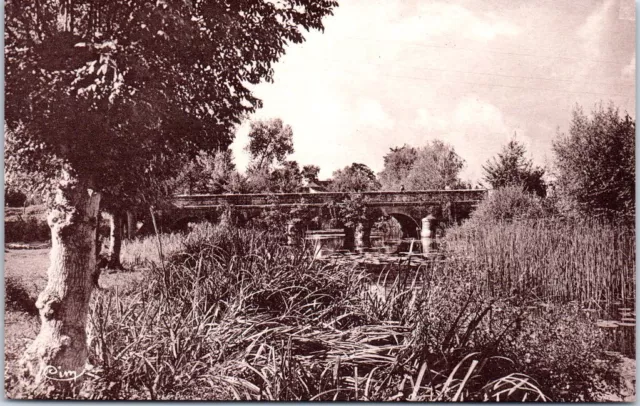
{"x": 236, "y": 314}
{"x": 242, "y": 316}
{"x": 144, "y": 251}
{"x": 592, "y": 262}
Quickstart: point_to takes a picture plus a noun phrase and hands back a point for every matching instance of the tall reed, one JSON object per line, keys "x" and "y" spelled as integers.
{"x": 592, "y": 262}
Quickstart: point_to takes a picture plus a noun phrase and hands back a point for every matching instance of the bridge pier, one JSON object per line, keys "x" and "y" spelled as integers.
{"x": 363, "y": 235}
{"x": 428, "y": 234}
{"x": 294, "y": 233}
{"x": 349, "y": 238}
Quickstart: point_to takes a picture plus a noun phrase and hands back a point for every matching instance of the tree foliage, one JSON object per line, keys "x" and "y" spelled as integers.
{"x": 595, "y": 163}
{"x": 270, "y": 142}
{"x": 354, "y": 178}
{"x": 310, "y": 173}
{"x": 398, "y": 164}
{"x": 207, "y": 173}
{"x": 434, "y": 166}
{"x": 287, "y": 178}
{"x": 512, "y": 168}
{"x": 20, "y": 189}
{"x": 92, "y": 85}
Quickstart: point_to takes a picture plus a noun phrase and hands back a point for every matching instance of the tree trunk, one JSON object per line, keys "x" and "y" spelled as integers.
{"x": 60, "y": 349}
{"x": 131, "y": 225}
{"x": 98, "y": 240}
{"x": 115, "y": 240}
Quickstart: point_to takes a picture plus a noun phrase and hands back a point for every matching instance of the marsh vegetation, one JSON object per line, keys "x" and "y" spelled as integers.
{"x": 237, "y": 314}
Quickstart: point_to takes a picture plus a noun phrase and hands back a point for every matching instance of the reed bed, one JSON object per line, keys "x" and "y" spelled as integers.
{"x": 237, "y": 314}
{"x": 560, "y": 261}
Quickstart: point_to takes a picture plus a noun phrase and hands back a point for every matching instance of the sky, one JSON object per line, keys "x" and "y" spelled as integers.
{"x": 469, "y": 72}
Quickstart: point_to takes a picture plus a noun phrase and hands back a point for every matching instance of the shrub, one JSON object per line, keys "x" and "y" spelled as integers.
{"x": 564, "y": 352}
{"x": 14, "y": 197}
{"x": 508, "y": 204}
{"x": 28, "y": 229}
{"x": 17, "y": 298}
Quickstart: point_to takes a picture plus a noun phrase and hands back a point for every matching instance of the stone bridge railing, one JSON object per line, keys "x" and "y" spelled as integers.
{"x": 410, "y": 198}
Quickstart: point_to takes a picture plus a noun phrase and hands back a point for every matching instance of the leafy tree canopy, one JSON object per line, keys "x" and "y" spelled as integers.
{"x": 207, "y": 173}
{"x": 354, "y": 178}
{"x": 286, "y": 179}
{"x": 434, "y": 166}
{"x": 271, "y": 141}
{"x": 512, "y": 168}
{"x": 397, "y": 166}
{"x": 595, "y": 163}
{"x": 310, "y": 172}
{"x": 123, "y": 89}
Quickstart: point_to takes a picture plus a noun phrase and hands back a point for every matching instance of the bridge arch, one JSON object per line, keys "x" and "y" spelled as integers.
{"x": 410, "y": 227}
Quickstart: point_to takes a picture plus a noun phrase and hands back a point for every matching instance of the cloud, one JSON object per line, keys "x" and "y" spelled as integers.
{"x": 371, "y": 113}
{"x": 591, "y": 31}
{"x": 440, "y": 19}
{"x": 475, "y": 128}
{"x": 429, "y": 121}
{"x": 629, "y": 71}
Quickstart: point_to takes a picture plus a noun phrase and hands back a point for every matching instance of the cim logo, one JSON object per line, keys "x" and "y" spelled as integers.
{"x": 56, "y": 374}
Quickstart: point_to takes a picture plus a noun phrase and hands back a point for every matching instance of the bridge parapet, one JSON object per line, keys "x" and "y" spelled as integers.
{"x": 410, "y": 198}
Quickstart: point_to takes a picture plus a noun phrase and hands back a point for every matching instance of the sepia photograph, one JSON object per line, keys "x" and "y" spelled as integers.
{"x": 320, "y": 200}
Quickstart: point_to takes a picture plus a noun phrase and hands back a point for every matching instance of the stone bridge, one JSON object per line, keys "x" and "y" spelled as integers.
{"x": 408, "y": 208}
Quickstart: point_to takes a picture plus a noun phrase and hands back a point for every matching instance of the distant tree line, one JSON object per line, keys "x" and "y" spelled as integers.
{"x": 593, "y": 173}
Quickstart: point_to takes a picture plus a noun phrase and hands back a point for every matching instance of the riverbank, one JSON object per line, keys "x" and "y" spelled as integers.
{"x": 295, "y": 328}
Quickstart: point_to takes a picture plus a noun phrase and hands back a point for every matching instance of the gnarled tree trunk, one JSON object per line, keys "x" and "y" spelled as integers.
{"x": 60, "y": 349}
